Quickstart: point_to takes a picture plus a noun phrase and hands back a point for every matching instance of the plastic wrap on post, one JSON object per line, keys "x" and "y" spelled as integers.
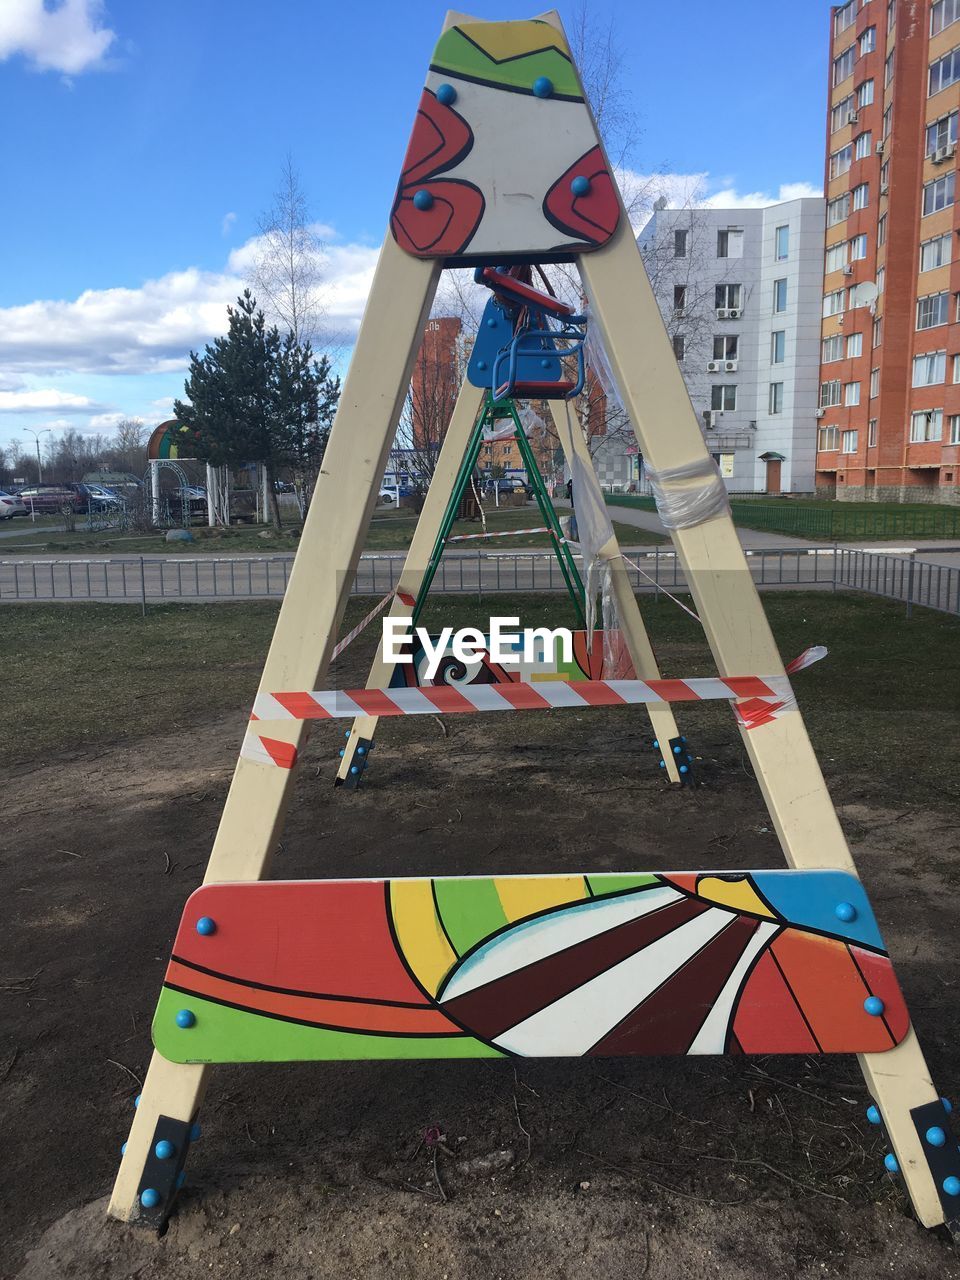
{"x": 599, "y": 365}
{"x": 681, "y": 502}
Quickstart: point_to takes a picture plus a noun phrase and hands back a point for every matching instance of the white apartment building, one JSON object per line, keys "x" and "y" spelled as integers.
{"x": 741, "y": 291}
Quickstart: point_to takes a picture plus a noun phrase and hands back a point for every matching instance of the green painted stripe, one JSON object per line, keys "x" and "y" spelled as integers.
{"x": 234, "y": 1035}
{"x": 616, "y": 884}
{"x": 470, "y": 911}
{"x": 456, "y": 54}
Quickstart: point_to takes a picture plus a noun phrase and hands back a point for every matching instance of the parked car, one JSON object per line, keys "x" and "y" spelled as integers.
{"x": 506, "y": 484}
{"x": 387, "y": 495}
{"x": 103, "y": 497}
{"x": 47, "y": 498}
{"x": 11, "y": 505}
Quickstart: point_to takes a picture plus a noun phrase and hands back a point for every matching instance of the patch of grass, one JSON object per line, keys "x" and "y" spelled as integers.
{"x": 884, "y": 706}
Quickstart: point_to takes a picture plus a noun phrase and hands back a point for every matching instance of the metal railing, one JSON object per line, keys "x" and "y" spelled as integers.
{"x": 140, "y": 579}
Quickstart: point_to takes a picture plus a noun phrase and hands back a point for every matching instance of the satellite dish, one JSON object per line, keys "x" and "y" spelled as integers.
{"x": 866, "y": 294}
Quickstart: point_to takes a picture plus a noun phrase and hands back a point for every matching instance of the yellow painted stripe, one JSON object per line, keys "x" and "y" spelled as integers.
{"x": 421, "y": 937}
{"x": 525, "y": 896}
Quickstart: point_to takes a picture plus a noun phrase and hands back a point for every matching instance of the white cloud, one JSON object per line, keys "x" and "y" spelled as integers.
{"x": 43, "y": 401}
{"x": 703, "y": 190}
{"x": 228, "y": 220}
{"x": 153, "y": 328}
{"x": 67, "y": 36}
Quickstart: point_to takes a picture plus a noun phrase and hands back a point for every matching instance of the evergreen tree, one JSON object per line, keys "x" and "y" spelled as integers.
{"x": 254, "y": 396}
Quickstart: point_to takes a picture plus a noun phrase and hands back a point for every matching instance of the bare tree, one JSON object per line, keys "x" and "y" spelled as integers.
{"x": 288, "y": 271}
{"x": 128, "y": 449}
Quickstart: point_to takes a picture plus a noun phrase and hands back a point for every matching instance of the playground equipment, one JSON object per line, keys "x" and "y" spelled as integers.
{"x": 689, "y": 962}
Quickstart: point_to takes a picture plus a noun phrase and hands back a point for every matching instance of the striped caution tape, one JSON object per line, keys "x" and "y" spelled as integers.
{"x": 374, "y": 613}
{"x": 502, "y": 533}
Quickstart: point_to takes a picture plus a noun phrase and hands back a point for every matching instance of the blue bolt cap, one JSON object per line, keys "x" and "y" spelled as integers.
{"x": 136, "y": 1101}
{"x": 951, "y": 1186}
{"x": 947, "y": 1105}
{"x": 580, "y": 186}
{"x": 181, "y": 1179}
{"x": 491, "y": 322}
{"x": 205, "y": 926}
{"x": 447, "y": 94}
{"x": 890, "y": 1163}
{"x": 186, "y": 1018}
{"x": 544, "y": 364}
{"x": 676, "y": 751}
{"x": 346, "y": 733}
{"x": 481, "y": 365}
{"x": 656, "y": 742}
{"x": 845, "y": 911}
{"x": 149, "y": 1198}
{"x": 361, "y": 751}
{"x": 164, "y": 1150}
{"x": 873, "y": 1115}
{"x": 684, "y": 769}
{"x": 543, "y": 87}
{"x": 422, "y": 200}
{"x": 935, "y": 1136}
{"x": 123, "y": 1148}
{"x": 874, "y": 1006}
{"x": 663, "y": 764}
{"x": 195, "y": 1132}
{"x": 354, "y": 769}
{"x": 341, "y": 753}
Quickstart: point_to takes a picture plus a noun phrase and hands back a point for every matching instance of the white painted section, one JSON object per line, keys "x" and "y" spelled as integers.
{"x": 711, "y": 1038}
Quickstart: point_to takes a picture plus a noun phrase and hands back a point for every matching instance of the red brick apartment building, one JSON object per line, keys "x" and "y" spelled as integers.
{"x": 889, "y": 417}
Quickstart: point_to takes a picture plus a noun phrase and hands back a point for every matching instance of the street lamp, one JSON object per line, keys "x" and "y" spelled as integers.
{"x": 36, "y": 435}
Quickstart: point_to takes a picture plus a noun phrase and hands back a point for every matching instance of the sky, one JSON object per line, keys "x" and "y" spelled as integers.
{"x": 142, "y": 141}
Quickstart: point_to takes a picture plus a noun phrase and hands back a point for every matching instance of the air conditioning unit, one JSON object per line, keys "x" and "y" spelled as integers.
{"x": 713, "y": 366}
{"x": 880, "y": 147}
{"x": 679, "y": 312}
{"x": 734, "y": 313}
{"x": 853, "y": 118}
{"x": 709, "y": 417}
{"x": 722, "y": 313}
{"x": 820, "y": 413}
{"x": 943, "y": 153}
{"x": 848, "y": 270}
{"x": 730, "y": 366}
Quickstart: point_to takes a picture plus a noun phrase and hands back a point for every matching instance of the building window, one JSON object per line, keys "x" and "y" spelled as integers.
{"x": 872, "y": 434}
{"x": 865, "y": 95}
{"x": 942, "y": 14}
{"x": 878, "y": 331}
{"x": 842, "y": 113}
{"x": 874, "y": 383}
{"x": 935, "y": 253}
{"x": 840, "y": 161}
{"x": 868, "y": 41}
{"x": 956, "y": 368}
{"x": 726, "y": 346}
{"x": 833, "y": 303}
{"x": 929, "y": 368}
{"x": 832, "y": 348}
{"x": 955, "y": 428}
{"x": 888, "y": 68}
{"x": 730, "y": 244}
{"x": 942, "y": 134}
{"x": 680, "y": 244}
{"x": 728, "y": 296}
{"x": 885, "y": 177}
{"x": 862, "y": 145}
{"x": 829, "y": 394}
{"x": 945, "y": 71}
{"x": 891, "y": 13}
{"x": 845, "y": 17}
{"x": 782, "y": 241}
{"x": 938, "y": 194}
{"x": 886, "y": 126}
{"x": 861, "y": 196}
{"x": 850, "y": 441}
{"x": 778, "y": 347}
{"x": 838, "y": 209}
{"x": 851, "y": 394}
{"x": 932, "y": 311}
{"x": 679, "y": 297}
{"x": 843, "y": 65}
{"x": 828, "y": 439}
{"x": 835, "y": 257}
{"x": 723, "y": 397}
{"x": 926, "y": 424}
{"x": 678, "y": 343}
{"x": 881, "y": 279}
{"x": 854, "y": 345}
{"x": 779, "y": 295}
{"x": 882, "y": 230}
{"x": 858, "y": 248}
{"x": 776, "y": 397}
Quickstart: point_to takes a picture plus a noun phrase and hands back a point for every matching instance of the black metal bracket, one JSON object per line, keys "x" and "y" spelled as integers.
{"x": 163, "y": 1175}
{"x": 682, "y": 759}
{"x": 932, "y": 1122}
{"x": 357, "y": 765}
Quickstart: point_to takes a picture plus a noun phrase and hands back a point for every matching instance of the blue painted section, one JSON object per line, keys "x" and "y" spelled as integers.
{"x": 810, "y": 898}
{"x": 496, "y": 331}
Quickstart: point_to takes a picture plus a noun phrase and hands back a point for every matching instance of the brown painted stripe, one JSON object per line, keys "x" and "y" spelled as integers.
{"x": 494, "y": 1008}
{"x": 670, "y": 1017}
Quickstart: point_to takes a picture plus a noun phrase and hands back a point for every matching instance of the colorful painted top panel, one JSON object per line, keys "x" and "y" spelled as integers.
{"x": 529, "y": 966}
{"x": 504, "y": 159}
{"x": 172, "y": 440}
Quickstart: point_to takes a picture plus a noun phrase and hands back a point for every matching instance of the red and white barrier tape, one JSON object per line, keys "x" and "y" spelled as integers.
{"x": 374, "y": 613}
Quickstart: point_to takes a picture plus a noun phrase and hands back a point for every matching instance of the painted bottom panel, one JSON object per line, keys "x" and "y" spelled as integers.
{"x": 529, "y": 966}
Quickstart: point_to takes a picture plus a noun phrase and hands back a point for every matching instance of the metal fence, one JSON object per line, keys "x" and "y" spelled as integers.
{"x": 208, "y": 578}
{"x": 835, "y": 521}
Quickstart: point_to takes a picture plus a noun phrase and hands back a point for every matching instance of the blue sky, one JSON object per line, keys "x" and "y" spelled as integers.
{"x": 142, "y": 140}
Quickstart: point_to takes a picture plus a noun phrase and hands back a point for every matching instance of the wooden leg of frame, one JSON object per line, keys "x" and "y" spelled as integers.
{"x": 252, "y": 821}
{"x": 635, "y": 633}
{"x": 462, "y": 422}
{"x": 644, "y": 365}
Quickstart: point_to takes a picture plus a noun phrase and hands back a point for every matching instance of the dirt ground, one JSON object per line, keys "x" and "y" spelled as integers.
{"x": 662, "y": 1168}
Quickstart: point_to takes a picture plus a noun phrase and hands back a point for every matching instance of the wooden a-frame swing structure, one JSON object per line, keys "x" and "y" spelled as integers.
{"x": 505, "y": 167}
